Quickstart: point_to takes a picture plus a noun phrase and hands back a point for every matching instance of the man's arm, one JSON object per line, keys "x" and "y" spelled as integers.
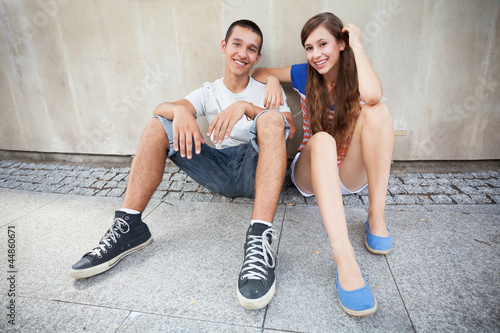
{"x": 223, "y": 124}
{"x": 168, "y": 109}
{"x": 184, "y": 126}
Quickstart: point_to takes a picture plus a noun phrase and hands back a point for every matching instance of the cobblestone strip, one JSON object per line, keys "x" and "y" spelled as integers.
{"x": 404, "y": 189}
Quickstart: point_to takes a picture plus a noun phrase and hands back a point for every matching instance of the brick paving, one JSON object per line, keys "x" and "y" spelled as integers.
{"x": 404, "y": 188}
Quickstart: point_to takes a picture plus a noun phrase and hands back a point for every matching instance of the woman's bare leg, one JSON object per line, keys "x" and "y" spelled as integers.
{"x": 316, "y": 172}
{"x": 368, "y": 160}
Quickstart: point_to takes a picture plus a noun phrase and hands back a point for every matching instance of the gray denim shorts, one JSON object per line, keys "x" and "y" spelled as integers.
{"x": 227, "y": 171}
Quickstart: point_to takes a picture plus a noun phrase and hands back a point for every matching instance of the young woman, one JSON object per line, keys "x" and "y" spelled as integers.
{"x": 347, "y": 145}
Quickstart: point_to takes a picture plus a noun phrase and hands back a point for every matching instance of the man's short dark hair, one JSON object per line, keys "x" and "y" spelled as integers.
{"x": 248, "y": 25}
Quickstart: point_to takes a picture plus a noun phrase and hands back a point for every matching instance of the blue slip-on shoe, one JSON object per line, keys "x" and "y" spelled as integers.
{"x": 377, "y": 244}
{"x": 360, "y": 302}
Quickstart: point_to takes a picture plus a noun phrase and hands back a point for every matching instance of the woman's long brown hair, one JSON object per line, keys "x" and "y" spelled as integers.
{"x": 346, "y": 92}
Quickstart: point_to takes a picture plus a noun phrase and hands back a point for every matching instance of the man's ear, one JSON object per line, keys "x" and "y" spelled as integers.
{"x": 258, "y": 59}
{"x": 223, "y": 46}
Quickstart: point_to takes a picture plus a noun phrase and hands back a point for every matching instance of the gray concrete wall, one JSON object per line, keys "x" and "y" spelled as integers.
{"x": 84, "y": 76}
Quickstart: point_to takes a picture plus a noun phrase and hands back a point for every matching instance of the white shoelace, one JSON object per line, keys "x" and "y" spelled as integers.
{"x": 259, "y": 245}
{"x": 111, "y": 235}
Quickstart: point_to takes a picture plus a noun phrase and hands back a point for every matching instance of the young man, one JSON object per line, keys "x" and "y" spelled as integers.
{"x": 249, "y": 160}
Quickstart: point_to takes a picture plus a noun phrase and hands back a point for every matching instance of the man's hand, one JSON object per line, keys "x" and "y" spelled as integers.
{"x": 223, "y": 124}
{"x": 186, "y": 129}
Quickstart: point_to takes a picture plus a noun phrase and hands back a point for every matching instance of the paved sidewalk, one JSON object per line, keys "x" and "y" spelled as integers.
{"x": 443, "y": 274}
{"x": 404, "y": 188}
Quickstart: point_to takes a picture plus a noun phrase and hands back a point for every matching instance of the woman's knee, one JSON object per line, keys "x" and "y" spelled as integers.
{"x": 376, "y": 114}
{"x": 322, "y": 142}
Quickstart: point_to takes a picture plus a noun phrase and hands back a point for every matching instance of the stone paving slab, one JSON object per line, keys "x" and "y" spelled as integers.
{"x": 196, "y": 256}
{"x": 48, "y": 235}
{"x": 447, "y": 267}
{"x": 143, "y": 322}
{"x": 14, "y": 209}
{"x": 41, "y": 315}
{"x": 306, "y": 298}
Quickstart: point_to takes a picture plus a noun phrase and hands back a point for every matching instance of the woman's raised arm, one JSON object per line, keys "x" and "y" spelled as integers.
{"x": 272, "y": 77}
{"x": 370, "y": 88}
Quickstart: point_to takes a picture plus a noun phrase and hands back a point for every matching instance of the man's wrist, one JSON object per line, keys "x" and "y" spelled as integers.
{"x": 178, "y": 109}
{"x": 253, "y": 112}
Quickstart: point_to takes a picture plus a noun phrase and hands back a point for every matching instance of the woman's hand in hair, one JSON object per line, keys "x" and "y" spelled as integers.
{"x": 370, "y": 88}
{"x": 354, "y": 36}
{"x": 273, "y": 97}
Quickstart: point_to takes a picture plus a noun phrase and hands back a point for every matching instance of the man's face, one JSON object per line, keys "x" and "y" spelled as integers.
{"x": 241, "y": 51}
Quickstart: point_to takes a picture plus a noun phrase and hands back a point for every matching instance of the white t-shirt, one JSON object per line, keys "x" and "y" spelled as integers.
{"x": 214, "y": 97}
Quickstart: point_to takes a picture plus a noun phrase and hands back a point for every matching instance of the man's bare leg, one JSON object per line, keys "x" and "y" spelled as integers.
{"x": 128, "y": 230}
{"x": 256, "y": 282}
{"x": 147, "y": 168}
{"x": 271, "y": 166}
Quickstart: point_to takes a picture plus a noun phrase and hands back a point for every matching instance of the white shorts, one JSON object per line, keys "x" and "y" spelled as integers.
{"x": 345, "y": 191}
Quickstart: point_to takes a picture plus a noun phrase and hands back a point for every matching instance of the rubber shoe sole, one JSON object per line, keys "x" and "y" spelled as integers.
{"x": 85, "y": 273}
{"x": 259, "y": 303}
{"x": 375, "y": 251}
{"x": 384, "y": 244}
{"x": 362, "y": 313}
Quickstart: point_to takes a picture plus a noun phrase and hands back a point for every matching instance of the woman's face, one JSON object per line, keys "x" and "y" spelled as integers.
{"x": 323, "y": 50}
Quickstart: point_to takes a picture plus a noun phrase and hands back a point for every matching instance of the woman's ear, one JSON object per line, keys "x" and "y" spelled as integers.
{"x": 342, "y": 45}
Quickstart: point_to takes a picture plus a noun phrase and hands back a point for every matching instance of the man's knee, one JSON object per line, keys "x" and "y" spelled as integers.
{"x": 154, "y": 131}
{"x": 271, "y": 121}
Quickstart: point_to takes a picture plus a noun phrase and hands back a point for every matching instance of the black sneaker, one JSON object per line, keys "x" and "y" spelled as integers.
{"x": 257, "y": 283}
{"x": 127, "y": 234}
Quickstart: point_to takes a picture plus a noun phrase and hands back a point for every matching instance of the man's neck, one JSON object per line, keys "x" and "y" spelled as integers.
{"x": 235, "y": 84}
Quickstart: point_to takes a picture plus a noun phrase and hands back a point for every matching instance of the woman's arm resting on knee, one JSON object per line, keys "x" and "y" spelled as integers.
{"x": 272, "y": 77}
